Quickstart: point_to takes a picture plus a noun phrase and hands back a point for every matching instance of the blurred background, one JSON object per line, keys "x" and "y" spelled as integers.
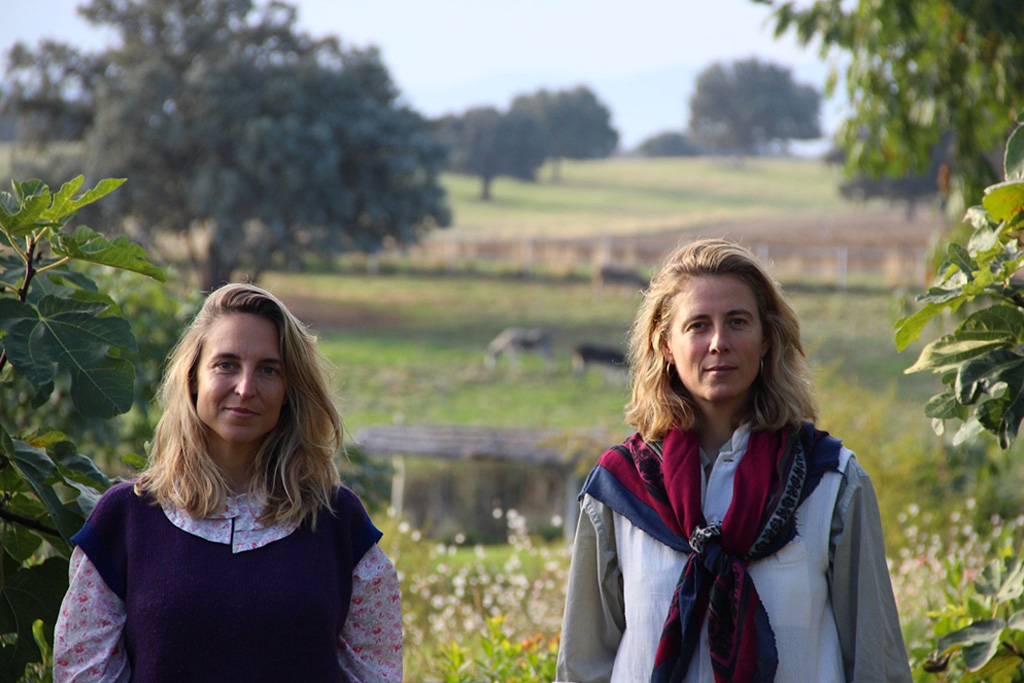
{"x": 465, "y": 200}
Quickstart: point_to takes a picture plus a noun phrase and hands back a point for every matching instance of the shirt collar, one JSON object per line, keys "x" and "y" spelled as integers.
{"x": 236, "y": 524}
{"x": 733, "y": 449}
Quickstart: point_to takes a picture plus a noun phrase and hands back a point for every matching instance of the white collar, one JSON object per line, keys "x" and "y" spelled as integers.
{"x": 733, "y": 449}
{"x": 236, "y": 525}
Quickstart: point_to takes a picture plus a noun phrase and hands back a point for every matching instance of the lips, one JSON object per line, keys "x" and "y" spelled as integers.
{"x": 241, "y": 412}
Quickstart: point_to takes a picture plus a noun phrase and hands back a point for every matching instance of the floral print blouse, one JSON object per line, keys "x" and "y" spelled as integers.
{"x": 88, "y": 640}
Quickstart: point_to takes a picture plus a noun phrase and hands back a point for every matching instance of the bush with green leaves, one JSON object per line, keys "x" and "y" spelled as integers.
{"x": 160, "y": 312}
{"x": 495, "y": 658}
{"x": 55, "y": 326}
{"x": 992, "y": 641}
{"x": 981, "y": 364}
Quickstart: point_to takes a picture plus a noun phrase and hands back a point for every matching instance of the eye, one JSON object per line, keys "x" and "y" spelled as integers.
{"x": 224, "y": 365}
{"x": 270, "y": 370}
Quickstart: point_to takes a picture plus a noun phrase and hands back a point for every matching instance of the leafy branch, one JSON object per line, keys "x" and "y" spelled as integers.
{"x": 982, "y": 361}
{"x": 53, "y": 320}
{"x": 27, "y": 522}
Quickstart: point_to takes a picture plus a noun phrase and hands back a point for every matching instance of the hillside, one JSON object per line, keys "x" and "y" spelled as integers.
{"x": 754, "y": 200}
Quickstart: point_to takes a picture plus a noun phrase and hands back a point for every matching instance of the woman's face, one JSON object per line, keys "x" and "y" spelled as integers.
{"x": 716, "y": 342}
{"x": 240, "y": 384}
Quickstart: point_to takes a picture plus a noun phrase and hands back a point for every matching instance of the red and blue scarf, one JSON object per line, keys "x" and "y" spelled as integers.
{"x": 658, "y": 488}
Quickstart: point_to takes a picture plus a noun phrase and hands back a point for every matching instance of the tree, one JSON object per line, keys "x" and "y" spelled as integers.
{"x": 575, "y": 123}
{"x": 253, "y": 140}
{"x": 488, "y": 143}
{"x": 667, "y": 144}
{"x": 921, "y": 75}
{"x": 48, "y": 92}
{"x": 749, "y": 105}
{"x": 53, "y": 322}
{"x": 981, "y": 364}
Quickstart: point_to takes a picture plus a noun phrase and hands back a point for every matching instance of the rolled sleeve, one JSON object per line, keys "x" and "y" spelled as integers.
{"x": 862, "y": 598}
{"x": 594, "y": 617}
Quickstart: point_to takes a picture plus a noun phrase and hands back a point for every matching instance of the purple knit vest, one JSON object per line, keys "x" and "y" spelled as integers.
{"x": 196, "y": 612}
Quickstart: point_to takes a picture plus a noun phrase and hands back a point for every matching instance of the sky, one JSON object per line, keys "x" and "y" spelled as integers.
{"x": 641, "y": 58}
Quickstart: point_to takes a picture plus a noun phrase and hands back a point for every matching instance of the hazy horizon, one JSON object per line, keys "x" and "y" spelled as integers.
{"x": 448, "y": 55}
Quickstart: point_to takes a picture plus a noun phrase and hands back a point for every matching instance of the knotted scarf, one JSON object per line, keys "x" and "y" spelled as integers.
{"x": 659, "y": 490}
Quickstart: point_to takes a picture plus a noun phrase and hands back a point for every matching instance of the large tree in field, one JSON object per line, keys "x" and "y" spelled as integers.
{"x": 921, "y": 75}
{"x": 254, "y": 140}
{"x": 48, "y": 91}
{"x": 488, "y": 143}
{"x": 748, "y": 106}
{"x": 577, "y": 125}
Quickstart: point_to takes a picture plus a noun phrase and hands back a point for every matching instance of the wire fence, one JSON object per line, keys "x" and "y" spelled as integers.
{"x": 628, "y": 260}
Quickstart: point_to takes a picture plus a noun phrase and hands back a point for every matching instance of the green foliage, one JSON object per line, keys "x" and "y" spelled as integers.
{"x": 992, "y": 641}
{"x": 494, "y": 658}
{"x": 510, "y": 596}
{"x": 54, "y": 322}
{"x": 575, "y": 123}
{"x": 921, "y": 76}
{"x": 48, "y": 91}
{"x": 668, "y": 144}
{"x": 248, "y": 136}
{"x": 980, "y": 362}
{"x": 151, "y": 306}
{"x": 748, "y": 106}
{"x": 488, "y": 143}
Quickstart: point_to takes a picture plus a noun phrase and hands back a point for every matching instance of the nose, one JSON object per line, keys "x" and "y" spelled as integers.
{"x": 719, "y": 339}
{"x": 246, "y": 385}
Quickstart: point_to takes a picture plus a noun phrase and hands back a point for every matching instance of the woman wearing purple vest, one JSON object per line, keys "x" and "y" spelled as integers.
{"x": 728, "y": 540}
{"x": 237, "y": 555}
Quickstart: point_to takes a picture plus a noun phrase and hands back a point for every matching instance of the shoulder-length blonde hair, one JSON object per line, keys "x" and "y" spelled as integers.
{"x": 781, "y": 394}
{"x": 294, "y": 474}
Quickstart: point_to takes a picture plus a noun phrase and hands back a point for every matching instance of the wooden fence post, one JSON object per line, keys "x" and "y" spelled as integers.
{"x": 842, "y": 266}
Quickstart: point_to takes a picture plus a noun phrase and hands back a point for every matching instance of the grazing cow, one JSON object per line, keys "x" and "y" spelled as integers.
{"x": 586, "y": 355}
{"x": 608, "y": 274}
{"x": 516, "y": 340}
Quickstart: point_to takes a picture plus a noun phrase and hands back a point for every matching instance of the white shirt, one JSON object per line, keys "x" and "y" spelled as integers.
{"x": 833, "y": 617}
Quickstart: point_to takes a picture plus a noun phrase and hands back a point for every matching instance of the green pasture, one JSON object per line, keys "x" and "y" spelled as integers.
{"x": 631, "y": 196}
{"x": 411, "y": 348}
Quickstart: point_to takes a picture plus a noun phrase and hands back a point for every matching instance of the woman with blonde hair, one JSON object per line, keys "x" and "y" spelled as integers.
{"x": 237, "y": 554}
{"x": 728, "y": 539}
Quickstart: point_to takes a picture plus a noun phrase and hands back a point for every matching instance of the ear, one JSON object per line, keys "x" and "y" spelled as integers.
{"x": 666, "y": 353}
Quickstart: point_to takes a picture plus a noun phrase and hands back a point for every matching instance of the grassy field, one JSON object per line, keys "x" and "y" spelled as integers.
{"x": 411, "y": 348}
{"x": 629, "y": 196}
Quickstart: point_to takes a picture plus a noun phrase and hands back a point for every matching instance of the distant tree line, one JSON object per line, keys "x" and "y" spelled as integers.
{"x": 259, "y": 145}
{"x": 247, "y": 137}
{"x": 566, "y": 124}
{"x": 746, "y": 107}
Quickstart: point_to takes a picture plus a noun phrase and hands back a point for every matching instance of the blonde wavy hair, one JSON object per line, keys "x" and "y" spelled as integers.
{"x": 781, "y": 393}
{"x": 294, "y": 475}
